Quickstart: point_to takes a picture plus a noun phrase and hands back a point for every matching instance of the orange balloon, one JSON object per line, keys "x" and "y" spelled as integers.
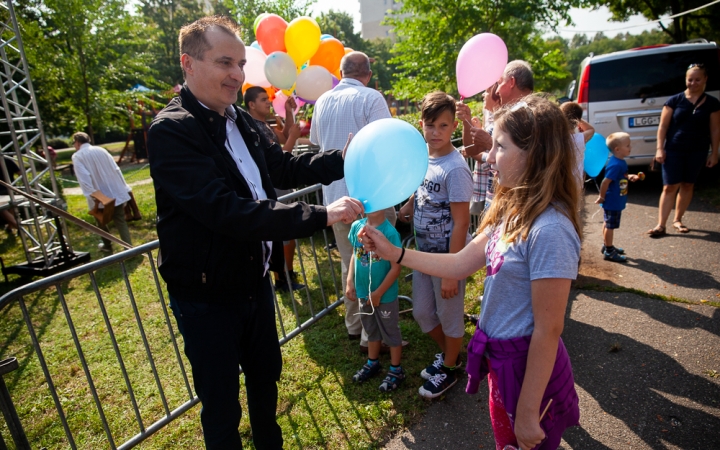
{"x": 271, "y": 91}
{"x": 328, "y": 54}
{"x": 348, "y": 50}
{"x": 271, "y": 33}
{"x": 337, "y": 74}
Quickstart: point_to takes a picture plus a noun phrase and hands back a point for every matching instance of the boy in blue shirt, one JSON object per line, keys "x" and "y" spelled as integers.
{"x": 613, "y": 192}
{"x": 373, "y": 281}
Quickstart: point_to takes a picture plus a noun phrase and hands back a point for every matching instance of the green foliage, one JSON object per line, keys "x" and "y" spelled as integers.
{"x": 246, "y": 11}
{"x": 431, "y": 34}
{"x": 580, "y": 46}
{"x": 340, "y": 25}
{"x": 84, "y": 55}
{"x": 699, "y": 24}
{"x": 164, "y": 18}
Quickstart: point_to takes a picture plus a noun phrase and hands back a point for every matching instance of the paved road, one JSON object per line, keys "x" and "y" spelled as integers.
{"x": 661, "y": 387}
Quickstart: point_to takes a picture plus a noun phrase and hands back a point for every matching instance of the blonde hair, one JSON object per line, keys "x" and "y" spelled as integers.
{"x": 616, "y": 139}
{"x": 539, "y": 128}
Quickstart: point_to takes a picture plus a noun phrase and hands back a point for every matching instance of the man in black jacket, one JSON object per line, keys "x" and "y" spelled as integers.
{"x": 221, "y": 231}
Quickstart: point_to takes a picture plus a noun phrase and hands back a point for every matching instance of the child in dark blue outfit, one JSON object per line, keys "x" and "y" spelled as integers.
{"x": 613, "y": 192}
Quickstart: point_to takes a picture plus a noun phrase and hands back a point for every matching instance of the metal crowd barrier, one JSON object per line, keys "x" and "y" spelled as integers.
{"x": 120, "y": 349}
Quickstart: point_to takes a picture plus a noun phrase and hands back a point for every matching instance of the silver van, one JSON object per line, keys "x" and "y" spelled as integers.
{"x": 625, "y": 91}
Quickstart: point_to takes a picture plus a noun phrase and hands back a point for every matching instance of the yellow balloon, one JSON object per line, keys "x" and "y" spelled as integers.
{"x": 302, "y": 39}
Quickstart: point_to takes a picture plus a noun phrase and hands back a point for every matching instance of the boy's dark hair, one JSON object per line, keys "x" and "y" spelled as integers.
{"x": 252, "y": 94}
{"x": 434, "y": 104}
{"x": 573, "y": 112}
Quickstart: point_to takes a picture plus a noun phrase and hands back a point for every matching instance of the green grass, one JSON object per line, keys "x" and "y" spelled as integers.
{"x": 319, "y": 407}
{"x": 131, "y": 173}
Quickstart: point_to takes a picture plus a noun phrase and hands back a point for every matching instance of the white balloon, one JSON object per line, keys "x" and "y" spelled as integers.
{"x": 280, "y": 70}
{"x": 313, "y": 82}
{"x": 255, "y": 67}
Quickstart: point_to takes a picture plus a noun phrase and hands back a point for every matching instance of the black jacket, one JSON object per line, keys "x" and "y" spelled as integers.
{"x": 209, "y": 226}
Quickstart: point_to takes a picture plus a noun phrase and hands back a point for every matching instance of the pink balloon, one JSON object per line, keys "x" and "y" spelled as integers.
{"x": 480, "y": 64}
{"x": 279, "y": 104}
{"x": 255, "y": 67}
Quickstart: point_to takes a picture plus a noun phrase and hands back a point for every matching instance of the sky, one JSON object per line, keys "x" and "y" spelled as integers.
{"x": 586, "y": 20}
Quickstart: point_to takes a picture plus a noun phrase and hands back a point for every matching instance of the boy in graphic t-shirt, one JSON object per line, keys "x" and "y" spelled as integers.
{"x": 441, "y": 218}
{"x": 613, "y": 192}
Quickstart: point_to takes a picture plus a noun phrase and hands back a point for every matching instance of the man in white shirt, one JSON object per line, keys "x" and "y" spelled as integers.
{"x": 96, "y": 170}
{"x": 346, "y": 109}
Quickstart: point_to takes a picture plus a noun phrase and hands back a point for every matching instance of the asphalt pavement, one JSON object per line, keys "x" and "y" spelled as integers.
{"x": 647, "y": 371}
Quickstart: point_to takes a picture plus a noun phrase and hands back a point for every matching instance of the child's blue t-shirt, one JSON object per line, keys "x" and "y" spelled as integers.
{"x": 616, "y": 195}
{"x": 448, "y": 180}
{"x": 380, "y": 267}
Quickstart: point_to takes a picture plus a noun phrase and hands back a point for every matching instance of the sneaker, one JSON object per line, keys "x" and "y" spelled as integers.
{"x": 368, "y": 371}
{"x": 282, "y": 286}
{"x": 619, "y": 250}
{"x": 437, "y": 385}
{"x": 434, "y": 368}
{"x": 104, "y": 248}
{"x": 392, "y": 380}
{"x": 614, "y": 256}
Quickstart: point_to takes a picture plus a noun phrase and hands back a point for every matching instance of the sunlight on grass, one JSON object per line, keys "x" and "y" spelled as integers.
{"x": 319, "y": 406}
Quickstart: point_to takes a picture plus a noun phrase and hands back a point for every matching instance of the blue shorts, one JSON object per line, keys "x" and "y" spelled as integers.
{"x": 612, "y": 219}
{"x": 682, "y": 167}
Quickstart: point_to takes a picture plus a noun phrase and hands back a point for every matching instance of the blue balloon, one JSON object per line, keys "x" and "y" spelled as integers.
{"x": 596, "y": 155}
{"x": 325, "y": 36}
{"x": 385, "y": 163}
{"x": 256, "y": 44}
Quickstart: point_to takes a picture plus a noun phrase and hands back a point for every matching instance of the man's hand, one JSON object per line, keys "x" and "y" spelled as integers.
{"x": 294, "y": 132}
{"x": 482, "y": 141}
{"x": 448, "y": 288}
{"x": 290, "y": 105}
{"x": 344, "y": 210}
{"x": 463, "y": 113}
{"x": 347, "y": 144}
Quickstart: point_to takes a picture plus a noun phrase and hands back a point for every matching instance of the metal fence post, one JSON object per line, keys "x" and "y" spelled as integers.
{"x": 8, "y": 409}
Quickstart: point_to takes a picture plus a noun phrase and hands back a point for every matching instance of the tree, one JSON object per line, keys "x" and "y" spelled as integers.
{"x": 164, "y": 19}
{"x": 340, "y": 25}
{"x": 699, "y": 24}
{"x": 245, "y": 12}
{"x": 431, "y": 34}
{"x": 84, "y": 56}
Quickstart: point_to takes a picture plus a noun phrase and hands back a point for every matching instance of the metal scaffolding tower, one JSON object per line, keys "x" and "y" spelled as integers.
{"x": 44, "y": 235}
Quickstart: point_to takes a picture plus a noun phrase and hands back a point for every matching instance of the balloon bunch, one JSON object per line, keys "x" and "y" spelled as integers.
{"x": 292, "y": 58}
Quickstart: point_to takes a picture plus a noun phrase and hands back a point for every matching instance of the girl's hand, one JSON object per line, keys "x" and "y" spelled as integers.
{"x": 528, "y": 431}
{"x": 660, "y": 156}
{"x": 448, "y": 288}
{"x": 375, "y": 241}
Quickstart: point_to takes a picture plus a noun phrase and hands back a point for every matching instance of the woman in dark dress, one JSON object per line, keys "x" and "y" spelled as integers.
{"x": 689, "y": 125}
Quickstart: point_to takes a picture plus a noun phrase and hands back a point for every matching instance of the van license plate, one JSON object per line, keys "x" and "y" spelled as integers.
{"x": 646, "y": 121}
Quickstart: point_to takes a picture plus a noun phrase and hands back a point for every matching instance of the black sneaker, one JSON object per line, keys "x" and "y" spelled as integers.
{"x": 434, "y": 368}
{"x": 282, "y": 286}
{"x": 619, "y": 250}
{"x": 614, "y": 256}
{"x": 368, "y": 371}
{"x": 392, "y": 380}
{"x": 437, "y": 385}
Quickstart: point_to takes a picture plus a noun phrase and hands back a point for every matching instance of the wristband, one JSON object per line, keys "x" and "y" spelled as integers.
{"x": 402, "y": 255}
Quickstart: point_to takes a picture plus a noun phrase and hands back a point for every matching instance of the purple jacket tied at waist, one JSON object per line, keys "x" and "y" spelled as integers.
{"x": 508, "y": 359}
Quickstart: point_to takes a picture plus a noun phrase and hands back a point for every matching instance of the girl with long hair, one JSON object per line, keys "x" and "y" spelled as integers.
{"x": 530, "y": 245}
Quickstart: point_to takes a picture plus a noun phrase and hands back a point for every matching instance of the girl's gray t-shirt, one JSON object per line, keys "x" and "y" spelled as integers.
{"x": 552, "y": 250}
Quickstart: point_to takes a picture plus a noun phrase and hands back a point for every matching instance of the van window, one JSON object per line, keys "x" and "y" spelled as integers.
{"x": 656, "y": 75}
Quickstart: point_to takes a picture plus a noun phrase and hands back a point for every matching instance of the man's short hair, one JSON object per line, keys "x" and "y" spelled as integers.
{"x": 251, "y": 94}
{"x": 434, "y": 104}
{"x": 523, "y": 74}
{"x": 82, "y": 138}
{"x": 192, "y": 36}
{"x": 355, "y": 64}
{"x": 616, "y": 139}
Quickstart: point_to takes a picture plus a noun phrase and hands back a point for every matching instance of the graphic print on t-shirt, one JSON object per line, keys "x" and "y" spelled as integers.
{"x": 623, "y": 185}
{"x": 433, "y": 222}
{"x": 496, "y": 248}
{"x": 364, "y": 257}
